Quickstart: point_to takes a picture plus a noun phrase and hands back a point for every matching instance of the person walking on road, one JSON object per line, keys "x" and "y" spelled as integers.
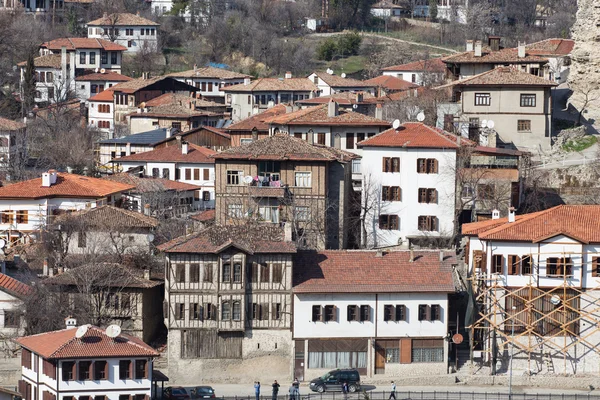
{"x": 393, "y": 392}
{"x": 275, "y": 386}
{"x": 257, "y": 390}
{"x": 345, "y": 390}
{"x": 296, "y": 386}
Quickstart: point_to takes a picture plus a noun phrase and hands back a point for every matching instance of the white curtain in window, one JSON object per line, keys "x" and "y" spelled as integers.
{"x": 315, "y": 359}
{"x": 362, "y": 359}
{"x": 329, "y": 359}
{"x": 343, "y": 359}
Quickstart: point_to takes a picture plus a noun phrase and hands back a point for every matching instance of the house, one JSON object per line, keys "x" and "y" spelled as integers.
{"x": 408, "y": 184}
{"x": 518, "y": 104}
{"x": 253, "y": 127}
{"x": 228, "y": 304}
{"x": 558, "y": 53}
{"x": 54, "y": 77}
{"x": 172, "y": 110}
{"x": 65, "y": 363}
{"x": 186, "y": 163}
{"x": 37, "y": 7}
{"x": 131, "y": 31}
{"x": 330, "y": 84}
{"x": 383, "y": 313}
{"x": 179, "y": 98}
{"x": 125, "y": 296}
{"x": 361, "y": 102}
{"x": 389, "y": 8}
{"x": 12, "y": 144}
{"x": 90, "y": 85}
{"x": 131, "y": 97}
{"x": 205, "y": 136}
{"x": 328, "y": 125}
{"x": 210, "y": 81}
{"x": 422, "y": 72}
{"x": 282, "y": 178}
{"x": 7, "y": 394}
{"x": 453, "y": 10}
{"x": 101, "y": 108}
{"x": 12, "y": 323}
{"x": 535, "y": 278}
{"x": 478, "y": 59}
{"x": 91, "y": 54}
{"x": 106, "y": 230}
{"x": 387, "y": 84}
{"x": 253, "y": 97}
{"x": 158, "y": 197}
{"x": 27, "y": 207}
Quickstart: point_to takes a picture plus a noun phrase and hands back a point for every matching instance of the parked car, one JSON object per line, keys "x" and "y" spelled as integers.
{"x": 203, "y": 392}
{"x": 333, "y": 380}
{"x": 175, "y": 393}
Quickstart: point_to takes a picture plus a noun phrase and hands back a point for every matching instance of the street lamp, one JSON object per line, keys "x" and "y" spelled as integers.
{"x": 512, "y": 353}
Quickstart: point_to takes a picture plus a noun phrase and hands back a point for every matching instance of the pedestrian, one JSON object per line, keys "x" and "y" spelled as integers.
{"x": 257, "y": 390}
{"x": 275, "y": 386}
{"x": 393, "y": 392}
{"x": 345, "y": 389}
{"x": 296, "y": 386}
{"x": 292, "y": 392}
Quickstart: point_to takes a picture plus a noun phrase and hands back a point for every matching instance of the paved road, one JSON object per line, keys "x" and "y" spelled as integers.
{"x": 445, "y": 49}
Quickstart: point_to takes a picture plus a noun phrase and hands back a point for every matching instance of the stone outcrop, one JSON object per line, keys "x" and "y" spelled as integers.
{"x": 585, "y": 69}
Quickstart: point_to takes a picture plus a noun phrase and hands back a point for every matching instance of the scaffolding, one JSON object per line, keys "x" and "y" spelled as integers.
{"x": 537, "y": 320}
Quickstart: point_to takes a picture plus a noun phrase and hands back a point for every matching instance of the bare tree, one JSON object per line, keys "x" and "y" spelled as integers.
{"x": 584, "y": 95}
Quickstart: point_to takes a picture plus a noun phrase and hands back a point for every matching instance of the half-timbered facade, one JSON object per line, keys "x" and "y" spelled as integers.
{"x": 228, "y": 303}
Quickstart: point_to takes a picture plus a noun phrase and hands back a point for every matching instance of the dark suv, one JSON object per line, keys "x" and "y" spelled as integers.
{"x": 333, "y": 381}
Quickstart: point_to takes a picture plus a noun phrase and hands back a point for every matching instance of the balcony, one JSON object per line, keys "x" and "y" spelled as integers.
{"x": 267, "y": 189}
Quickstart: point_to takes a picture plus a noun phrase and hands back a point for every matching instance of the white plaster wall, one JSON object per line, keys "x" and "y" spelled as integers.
{"x": 94, "y": 116}
{"x": 138, "y": 40}
{"x": 216, "y": 85}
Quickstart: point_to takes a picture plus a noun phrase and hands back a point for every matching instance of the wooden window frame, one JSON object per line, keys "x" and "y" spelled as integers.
{"x": 482, "y": 99}
{"x": 400, "y": 312}
{"x": 390, "y": 222}
{"x": 514, "y": 265}
{"x": 523, "y": 125}
{"x": 330, "y": 313}
{"x": 365, "y": 313}
{"x": 316, "y": 313}
{"x": 498, "y": 264}
{"x": 528, "y": 100}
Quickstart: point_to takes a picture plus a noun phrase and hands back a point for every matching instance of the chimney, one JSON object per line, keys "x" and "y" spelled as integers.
{"x": 71, "y": 67}
{"x": 288, "y": 75}
{"x": 128, "y": 149}
{"x": 195, "y": 68}
{"x": 70, "y": 322}
{"x": 287, "y": 232}
{"x": 104, "y": 15}
{"x": 63, "y": 61}
{"x": 147, "y": 274}
{"x": 441, "y": 256}
{"x": 359, "y": 97}
{"x": 184, "y": 147}
{"x": 247, "y": 81}
{"x": 147, "y": 209}
{"x": 137, "y": 13}
{"x": 178, "y": 140}
{"x": 411, "y": 257}
{"x": 495, "y": 214}
{"x": 45, "y": 267}
{"x": 521, "y": 50}
{"x": 511, "y": 214}
{"x": 494, "y": 43}
{"x": 379, "y": 111}
{"x": 477, "y": 48}
{"x": 46, "y": 179}
{"x": 53, "y": 176}
{"x": 379, "y": 253}
{"x": 469, "y": 45}
{"x": 332, "y": 109}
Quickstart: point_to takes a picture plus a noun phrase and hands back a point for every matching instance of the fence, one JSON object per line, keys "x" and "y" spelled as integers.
{"x": 425, "y": 395}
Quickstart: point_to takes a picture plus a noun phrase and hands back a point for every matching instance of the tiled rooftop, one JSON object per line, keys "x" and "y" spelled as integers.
{"x": 10, "y": 125}
{"x": 488, "y": 56}
{"x": 104, "y": 76}
{"x": 502, "y": 76}
{"x": 318, "y": 116}
{"x": 209, "y": 72}
{"x": 274, "y": 84}
{"x": 551, "y": 47}
{"x": 195, "y": 154}
{"x": 257, "y": 121}
{"x": 412, "y": 134}
{"x": 431, "y": 65}
{"x": 119, "y": 218}
{"x": 337, "y": 81}
{"x": 148, "y": 184}
{"x": 122, "y": 19}
{"x": 82, "y": 43}
{"x": 13, "y": 286}
{"x": 392, "y": 83}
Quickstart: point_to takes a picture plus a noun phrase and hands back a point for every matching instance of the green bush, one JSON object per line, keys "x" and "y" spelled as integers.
{"x": 348, "y": 44}
{"x": 326, "y": 49}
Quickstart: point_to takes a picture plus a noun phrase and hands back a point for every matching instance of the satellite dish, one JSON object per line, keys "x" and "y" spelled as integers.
{"x": 96, "y": 70}
{"x": 248, "y": 179}
{"x": 457, "y": 338}
{"x": 329, "y": 71}
{"x": 491, "y": 124}
{"x": 2, "y": 243}
{"x": 355, "y": 106}
{"x": 484, "y": 123}
{"x": 143, "y": 104}
{"x": 150, "y": 237}
{"x": 343, "y": 75}
{"x": 396, "y": 124}
{"x": 82, "y": 330}
{"x": 102, "y": 71}
{"x": 421, "y": 116}
{"x": 113, "y": 331}
{"x": 555, "y": 299}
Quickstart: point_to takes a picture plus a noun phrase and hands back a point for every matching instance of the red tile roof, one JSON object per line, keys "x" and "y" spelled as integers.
{"x": 209, "y": 72}
{"x": 196, "y": 154}
{"x": 67, "y": 185}
{"x": 13, "y": 286}
{"x": 150, "y": 185}
{"x": 363, "y": 271}
{"x": 104, "y": 96}
{"x": 432, "y": 65}
{"x": 82, "y": 43}
{"x": 204, "y": 216}
{"x": 338, "y": 81}
{"x": 47, "y": 61}
{"x": 488, "y": 56}
{"x": 122, "y": 19}
{"x": 318, "y": 116}
{"x": 344, "y": 98}
{"x": 251, "y": 238}
{"x": 95, "y": 343}
{"x": 10, "y": 125}
{"x": 551, "y": 47}
{"x": 118, "y": 217}
{"x": 392, "y": 83}
{"x": 580, "y": 222}
{"x": 274, "y": 84}
{"x": 257, "y": 121}
{"x": 502, "y": 76}
{"x": 412, "y": 134}
{"x": 104, "y": 76}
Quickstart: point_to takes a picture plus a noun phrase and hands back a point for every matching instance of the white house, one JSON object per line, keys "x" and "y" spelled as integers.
{"x": 62, "y": 365}
{"x": 54, "y": 77}
{"x": 537, "y": 276}
{"x": 12, "y": 137}
{"x": 94, "y": 83}
{"x": 101, "y": 112}
{"x": 38, "y": 7}
{"x": 27, "y": 207}
{"x": 185, "y": 163}
{"x": 384, "y": 313}
{"x": 409, "y": 185}
{"x": 388, "y": 8}
{"x": 422, "y": 72}
{"x": 210, "y": 81}
{"x": 328, "y": 84}
{"x": 90, "y": 53}
{"x": 12, "y": 293}
{"x": 129, "y": 30}
{"x": 558, "y": 52}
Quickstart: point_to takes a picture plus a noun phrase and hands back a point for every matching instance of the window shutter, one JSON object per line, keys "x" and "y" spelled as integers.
{"x": 91, "y": 370}
{"x": 433, "y": 198}
{"x": 335, "y": 312}
{"x": 130, "y": 366}
{"x": 254, "y": 272}
{"x": 427, "y": 312}
{"x": 367, "y": 313}
{"x": 106, "y": 370}
{"x": 435, "y": 166}
{"x": 405, "y": 351}
{"x": 146, "y": 365}
{"x": 595, "y": 261}
{"x": 383, "y": 164}
{"x": 392, "y": 313}
{"x": 264, "y": 311}
{"x": 74, "y": 371}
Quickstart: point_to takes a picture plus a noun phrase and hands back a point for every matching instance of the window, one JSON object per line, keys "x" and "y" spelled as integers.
{"x": 83, "y": 370}
{"x": 125, "y": 301}
{"x": 400, "y": 312}
{"x": 526, "y": 265}
{"x": 365, "y": 313}
{"x": 330, "y": 313}
{"x": 7, "y": 216}
{"x": 350, "y": 141}
{"x": 155, "y": 172}
{"x": 165, "y": 173}
{"x": 436, "y": 312}
{"x": 179, "y": 311}
{"x": 389, "y": 222}
{"x": 142, "y": 32}
{"x": 210, "y": 311}
{"x": 82, "y": 57}
{"x": 485, "y": 191}
{"x": 427, "y": 350}
{"x": 207, "y": 276}
{"x": 141, "y": 369}
{"x": 225, "y": 311}
{"x": 513, "y": 265}
{"x": 482, "y": 99}
{"x": 301, "y": 213}
{"x": 233, "y": 177}
{"x": 51, "y": 92}
{"x": 129, "y": 43}
{"x": 234, "y": 210}
{"x": 559, "y": 267}
{"x": 524, "y": 125}
{"x": 205, "y": 195}
{"x": 424, "y": 312}
{"x": 595, "y": 267}
{"x": 316, "y": 313}
{"x": 68, "y": 368}
{"x": 302, "y": 179}
{"x": 427, "y": 166}
{"x": 391, "y": 164}
{"x": 388, "y": 312}
{"x": 82, "y": 240}
{"x": 321, "y": 138}
{"x": 180, "y": 273}
{"x": 100, "y": 370}
{"x": 352, "y": 313}
{"x": 49, "y": 77}
{"x": 413, "y": 78}
{"x": 390, "y": 193}
{"x": 237, "y": 311}
{"x": 427, "y": 196}
{"x": 276, "y": 315}
{"x": 113, "y": 57}
{"x": 269, "y": 214}
{"x": 176, "y": 125}
{"x": 226, "y": 272}
{"x": 497, "y": 264}
{"x": 277, "y": 273}
{"x": 22, "y": 217}
{"x": 12, "y": 319}
{"x": 210, "y": 87}
{"x": 428, "y": 223}
{"x": 527, "y": 100}
{"x": 237, "y": 273}
{"x": 194, "y": 272}
{"x": 92, "y": 57}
